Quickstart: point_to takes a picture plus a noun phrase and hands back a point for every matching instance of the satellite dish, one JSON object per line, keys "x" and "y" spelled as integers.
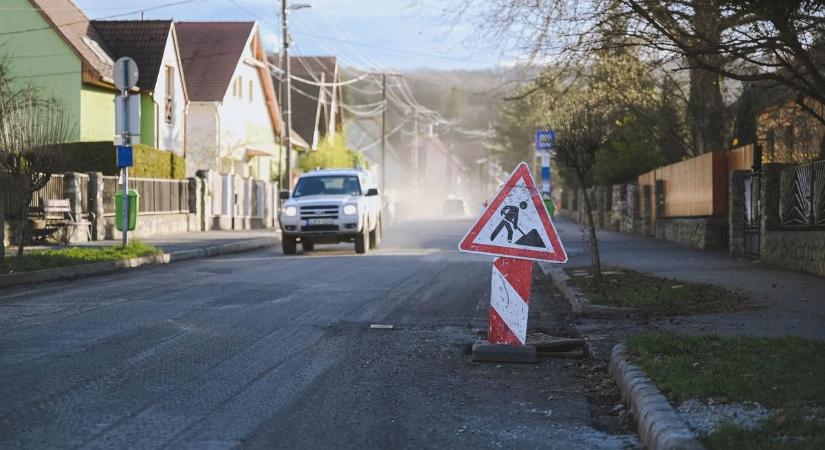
{"x": 125, "y": 73}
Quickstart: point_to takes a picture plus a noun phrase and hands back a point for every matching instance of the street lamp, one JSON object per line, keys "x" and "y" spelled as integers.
{"x": 285, "y": 8}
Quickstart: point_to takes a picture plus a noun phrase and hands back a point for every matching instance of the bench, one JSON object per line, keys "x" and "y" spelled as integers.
{"x": 58, "y": 215}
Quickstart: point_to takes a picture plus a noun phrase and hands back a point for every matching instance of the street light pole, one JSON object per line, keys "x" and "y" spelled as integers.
{"x": 384, "y": 133}
{"x": 288, "y": 84}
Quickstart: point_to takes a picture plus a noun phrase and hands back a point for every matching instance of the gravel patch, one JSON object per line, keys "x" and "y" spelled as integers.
{"x": 704, "y": 418}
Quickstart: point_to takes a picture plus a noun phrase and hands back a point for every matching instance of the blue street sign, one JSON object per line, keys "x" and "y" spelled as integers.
{"x": 545, "y": 140}
{"x": 124, "y": 156}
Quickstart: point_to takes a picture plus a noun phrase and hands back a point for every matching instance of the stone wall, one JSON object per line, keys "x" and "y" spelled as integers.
{"x": 154, "y": 224}
{"x": 795, "y": 250}
{"x": 706, "y": 233}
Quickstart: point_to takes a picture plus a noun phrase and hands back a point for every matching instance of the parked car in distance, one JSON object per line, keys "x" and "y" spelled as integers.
{"x": 330, "y": 207}
{"x": 454, "y": 207}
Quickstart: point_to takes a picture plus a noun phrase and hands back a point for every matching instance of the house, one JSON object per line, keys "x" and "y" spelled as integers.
{"x": 163, "y": 97}
{"x": 316, "y": 108}
{"x": 789, "y": 134}
{"x": 52, "y": 44}
{"x": 234, "y": 124}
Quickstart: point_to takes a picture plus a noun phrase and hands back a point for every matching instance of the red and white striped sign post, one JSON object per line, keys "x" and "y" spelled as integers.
{"x": 517, "y": 228}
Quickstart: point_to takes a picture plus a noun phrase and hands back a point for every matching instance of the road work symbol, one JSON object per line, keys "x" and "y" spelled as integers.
{"x": 510, "y": 221}
{"x": 516, "y": 224}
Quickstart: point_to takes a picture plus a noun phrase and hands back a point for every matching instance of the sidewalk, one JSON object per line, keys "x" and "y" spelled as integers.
{"x": 793, "y": 304}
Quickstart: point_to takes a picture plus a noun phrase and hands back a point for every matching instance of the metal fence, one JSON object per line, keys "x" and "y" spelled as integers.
{"x": 802, "y": 196}
{"x": 156, "y": 196}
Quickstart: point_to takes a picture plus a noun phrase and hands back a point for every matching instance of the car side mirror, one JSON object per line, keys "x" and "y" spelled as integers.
{"x": 283, "y": 195}
{"x": 371, "y": 192}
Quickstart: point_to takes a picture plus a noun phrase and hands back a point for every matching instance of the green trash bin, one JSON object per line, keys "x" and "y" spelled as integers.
{"x": 133, "y": 209}
{"x": 551, "y": 206}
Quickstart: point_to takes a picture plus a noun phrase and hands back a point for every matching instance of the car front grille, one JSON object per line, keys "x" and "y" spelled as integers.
{"x": 319, "y": 212}
{"x": 320, "y": 228}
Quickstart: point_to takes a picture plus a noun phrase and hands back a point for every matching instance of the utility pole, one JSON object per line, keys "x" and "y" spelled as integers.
{"x": 384, "y": 133}
{"x": 288, "y": 83}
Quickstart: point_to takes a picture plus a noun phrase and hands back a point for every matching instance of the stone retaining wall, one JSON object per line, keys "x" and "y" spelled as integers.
{"x": 706, "y": 233}
{"x": 154, "y": 224}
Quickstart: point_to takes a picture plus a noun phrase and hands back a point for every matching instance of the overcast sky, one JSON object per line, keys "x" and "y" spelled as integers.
{"x": 388, "y": 33}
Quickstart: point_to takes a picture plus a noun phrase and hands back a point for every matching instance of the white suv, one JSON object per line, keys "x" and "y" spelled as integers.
{"x": 329, "y": 207}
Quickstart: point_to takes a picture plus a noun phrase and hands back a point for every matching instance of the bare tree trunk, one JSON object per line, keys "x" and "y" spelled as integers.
{"x": 23, "y": 219}
{"x": 594, "y": 240}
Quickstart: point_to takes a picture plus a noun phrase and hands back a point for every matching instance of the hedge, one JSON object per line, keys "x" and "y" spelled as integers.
{"x": 149, "y": 162}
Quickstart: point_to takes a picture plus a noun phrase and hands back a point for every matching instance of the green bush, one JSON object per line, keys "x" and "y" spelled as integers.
{"x": 98, "y": 156}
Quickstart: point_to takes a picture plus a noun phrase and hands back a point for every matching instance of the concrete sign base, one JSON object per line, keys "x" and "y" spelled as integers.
{"x": 484, "y": 351}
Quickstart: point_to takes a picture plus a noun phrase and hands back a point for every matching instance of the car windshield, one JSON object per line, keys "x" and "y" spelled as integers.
{"x": 328, "y": 185}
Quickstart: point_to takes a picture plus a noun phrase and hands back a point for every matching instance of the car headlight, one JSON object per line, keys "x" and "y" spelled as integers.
{"x": 350, "y": 210}
{"x": 290, "y": 211}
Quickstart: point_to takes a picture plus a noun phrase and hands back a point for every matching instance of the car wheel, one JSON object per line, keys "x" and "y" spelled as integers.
{"x": 362, "y": 241}
{"x": 375, "y": 235}
{"x": 288, "y": 245}
{"x": 308, "y": 246}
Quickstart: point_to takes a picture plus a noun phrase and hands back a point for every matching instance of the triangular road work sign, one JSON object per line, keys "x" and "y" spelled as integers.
{"x": 516, "y": 224}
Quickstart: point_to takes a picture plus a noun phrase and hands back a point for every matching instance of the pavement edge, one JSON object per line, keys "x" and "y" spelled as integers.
{"x": 86, "y": 270}
{"x": 657, "y": 422}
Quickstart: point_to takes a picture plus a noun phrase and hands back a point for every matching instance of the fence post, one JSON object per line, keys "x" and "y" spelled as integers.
{"x": 736, "y": 213}
{"x": 647, "y": 210}
{"x": 207, "y": 197}
{"x": 770, "y": 182}
{"x": 195, "y": 202}
{"x": 71, "y": 191}
{"x": 96, "y": 204}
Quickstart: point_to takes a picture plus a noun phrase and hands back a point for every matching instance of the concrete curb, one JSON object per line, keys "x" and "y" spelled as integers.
{"x": 86, "y": 270}
{"x": 657, "y": 422}
{"x": 578, "y": 301}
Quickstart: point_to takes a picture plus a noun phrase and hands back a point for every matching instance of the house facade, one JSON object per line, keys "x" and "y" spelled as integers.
{"x": 163, "y": 97}
{"x": 234, "y": 125}
{"x": 52, "y": 45}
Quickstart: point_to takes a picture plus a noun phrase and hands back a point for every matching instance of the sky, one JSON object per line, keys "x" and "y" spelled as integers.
{"x": 369, "y": 34}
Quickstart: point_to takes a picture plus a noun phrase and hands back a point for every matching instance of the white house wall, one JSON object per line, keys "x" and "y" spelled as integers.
{"x": 202, "y": 131}
{"x": 170, "y": 136}
{"x": 245, "y": 122}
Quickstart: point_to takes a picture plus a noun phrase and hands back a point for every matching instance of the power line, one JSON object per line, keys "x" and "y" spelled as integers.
{"x": 29, "y": 30}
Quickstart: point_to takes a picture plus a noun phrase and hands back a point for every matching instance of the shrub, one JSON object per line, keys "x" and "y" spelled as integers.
{"x": 99, "y": 156}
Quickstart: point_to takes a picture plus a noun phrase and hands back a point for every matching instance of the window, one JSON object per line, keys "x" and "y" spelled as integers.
{"x": 170, "y": 92}
{"x": 250, "y": 91}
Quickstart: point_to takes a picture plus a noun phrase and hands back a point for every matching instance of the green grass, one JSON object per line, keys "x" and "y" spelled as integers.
{"x": 786, "y": 374}
{"x": 74, "y": 256}
{"x": 658, "y": 297}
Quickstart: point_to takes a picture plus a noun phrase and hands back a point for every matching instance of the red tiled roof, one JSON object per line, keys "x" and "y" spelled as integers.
{"x": 75, "y": 28}
{"x": 144, "y": 41}
{"x": 210, "y": 52}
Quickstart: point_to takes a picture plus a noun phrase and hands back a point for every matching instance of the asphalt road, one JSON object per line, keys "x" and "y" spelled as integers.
{"x": 259, "y": 350}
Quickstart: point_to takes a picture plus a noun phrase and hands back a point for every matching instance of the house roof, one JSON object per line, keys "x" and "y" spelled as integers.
{"x": 76, "y": 29}
{"x": 304, "y": 107}
{"x": 144, "y": 41}
{"x": 210, "y": 52}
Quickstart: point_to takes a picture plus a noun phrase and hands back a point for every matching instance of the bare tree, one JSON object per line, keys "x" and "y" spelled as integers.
{"x": 580, "y": 131}
{"x": 33, "y": 131}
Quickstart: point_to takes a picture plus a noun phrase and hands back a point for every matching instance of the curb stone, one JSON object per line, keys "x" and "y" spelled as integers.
{"x": 85, "y": 270}
{"x": 657, "y": 422}
{"x": 578, "y": 301}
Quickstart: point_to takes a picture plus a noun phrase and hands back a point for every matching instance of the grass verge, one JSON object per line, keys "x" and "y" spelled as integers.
{"x": 658, "y": 297}
{"x": 74, "y": 256}
{"x": 784, "y": 374}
